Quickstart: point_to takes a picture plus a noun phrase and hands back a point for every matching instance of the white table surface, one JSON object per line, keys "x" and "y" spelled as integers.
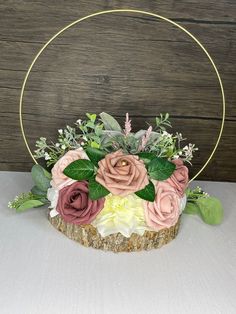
{"x": 44, "y": 272}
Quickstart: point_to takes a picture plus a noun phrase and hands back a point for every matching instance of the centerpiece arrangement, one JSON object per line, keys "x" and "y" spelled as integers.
{"x": 114, "y": 189}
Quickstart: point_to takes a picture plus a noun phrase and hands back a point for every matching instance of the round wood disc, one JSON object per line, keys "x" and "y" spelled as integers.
{"x": 88, "y": 236}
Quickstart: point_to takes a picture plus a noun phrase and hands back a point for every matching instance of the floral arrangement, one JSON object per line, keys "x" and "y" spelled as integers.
{"x": 117, "y": 180}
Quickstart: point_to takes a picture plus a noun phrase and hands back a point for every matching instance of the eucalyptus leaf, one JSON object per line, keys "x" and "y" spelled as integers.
{"x": 96, "y": 190}
{"x": 41, "y": 177}
{"x": 29, "y": 204}
{"x": 109, "y": 122}
{"x": 95, "y": 155}
{"x": 36, "y": 191}
{"x": 160, "y": 169}
{"x": 81, "y": 169}
{"x": 148, "y": 193}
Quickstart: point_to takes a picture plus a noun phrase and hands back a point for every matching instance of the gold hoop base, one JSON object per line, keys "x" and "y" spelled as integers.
{"x": 88, "y": 236}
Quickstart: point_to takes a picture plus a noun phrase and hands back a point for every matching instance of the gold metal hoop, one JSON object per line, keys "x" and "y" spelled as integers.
{"x": 130, "y": 11}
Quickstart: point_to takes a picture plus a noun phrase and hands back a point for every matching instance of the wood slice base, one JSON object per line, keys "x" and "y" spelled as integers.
{"x": 88, "y": 236}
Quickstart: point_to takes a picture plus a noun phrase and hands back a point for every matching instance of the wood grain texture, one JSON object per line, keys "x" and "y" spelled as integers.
{"x": 117, "y": 63}
{"x": 89, "y": 236}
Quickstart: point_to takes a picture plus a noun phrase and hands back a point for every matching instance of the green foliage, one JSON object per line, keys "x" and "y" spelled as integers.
{"x": 96, "y": 190}
{"x": 148, "y": 193}
{"x": 146, "y": 157}
{"x": 160, "y": 169}
{"x": 81, "y": 169}
{"x": 41, "y": 177}
{"x": 26, "y": 201}
{"x": 163, "y": 121}
{"x": 95, "y": 155}
{"x": 109, "y": 122}
{"x": 29, "y": 204}
{"x": 36, "y": 191}
{"x": 207, "y": 207}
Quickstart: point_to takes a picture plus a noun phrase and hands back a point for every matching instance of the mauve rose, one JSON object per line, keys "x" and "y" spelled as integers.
{"x": 59, "y": 180}
{"x": 75, "y": 206}
{"x": 179, "y": 179}
{"x": 165, "y": 210}
{"x": 122, "y": 174}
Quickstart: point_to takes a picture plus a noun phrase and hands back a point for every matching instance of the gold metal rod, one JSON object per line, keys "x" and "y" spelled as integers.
{"x": 130, "y": 11}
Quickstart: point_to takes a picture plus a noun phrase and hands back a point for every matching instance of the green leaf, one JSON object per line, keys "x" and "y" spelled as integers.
{"x": 41, "y": 177}
{"x": 95, "y": 155}
{"x": 36, "y": 191}
{"x": 191, "y": 208}
{"x": 208, "y": 208}
{"x": 109, "y": 122}
{"x": 146, "y": 157}
{"x": 81, "y": 169}
{"x": 95, "y": 144}
{"x": 96, "y": 190}
{"x": 160, "y": 169}
{"x": 29, "y": 204}
{"x": 211, "y": 210}
{"x": 148, "y": 193}
{"x": 91, "y": 117}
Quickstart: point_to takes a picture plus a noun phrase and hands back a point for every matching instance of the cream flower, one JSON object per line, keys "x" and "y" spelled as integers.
{"x": 121, "y": 214}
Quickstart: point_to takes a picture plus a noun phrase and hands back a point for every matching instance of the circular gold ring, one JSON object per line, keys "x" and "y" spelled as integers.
{"x": 130, "y": 11}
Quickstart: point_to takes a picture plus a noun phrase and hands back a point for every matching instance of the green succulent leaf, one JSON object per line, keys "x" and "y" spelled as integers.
{"x": 95, "y": 155}
{"x": 81, "y": 169}
{"x": 191, "y": 208}
{"x": 109, "y": 122}
{"x": 208, "y": 208}
{"x": 41, "y": 177}
{"x": 148, "y": 193}
{"x": 211, "y": 210}
{"x": 146, "y": 157}
{"x": 96, "y": 190}
{"x": 160, "y": 169}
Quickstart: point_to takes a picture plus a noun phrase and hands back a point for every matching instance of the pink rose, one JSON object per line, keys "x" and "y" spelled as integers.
{"x": 59, "y": 180}
{"x": 122, "y": 174}
{"x": 179, "y": 179}
{"x": 75, "y": 206}
{"x": 165, "y": 210}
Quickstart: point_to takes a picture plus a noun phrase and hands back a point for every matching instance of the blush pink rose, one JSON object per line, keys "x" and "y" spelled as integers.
{"x": 165, "y": 210}
{"x": 59, "y": 180}
{"x": 75, "y": 206}
{"x": 122, "y": 174}
{"x": 179, "y": 179}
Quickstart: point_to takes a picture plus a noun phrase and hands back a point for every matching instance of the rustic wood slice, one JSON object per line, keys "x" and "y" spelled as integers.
{"x": 88, "y": 236}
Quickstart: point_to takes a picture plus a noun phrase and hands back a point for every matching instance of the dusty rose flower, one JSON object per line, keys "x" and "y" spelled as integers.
{"x": 75, "y": 206}
{"x": 179, "y": 179}
{"x": 122, "y": 174}
{"x": 59, "y": 180}
{"x": 165, "y": 210}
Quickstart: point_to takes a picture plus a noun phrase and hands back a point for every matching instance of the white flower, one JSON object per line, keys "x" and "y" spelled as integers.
{"x": 46, "y": 156}
{"x": 183, "y": 202}
{"x": 52, "y": 196}
{"x": 79, "y": 121}
{"x": 60, "y": 131}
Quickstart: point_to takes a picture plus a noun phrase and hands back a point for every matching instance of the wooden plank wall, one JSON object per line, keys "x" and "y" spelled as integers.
{"x": 117, "y": 63}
